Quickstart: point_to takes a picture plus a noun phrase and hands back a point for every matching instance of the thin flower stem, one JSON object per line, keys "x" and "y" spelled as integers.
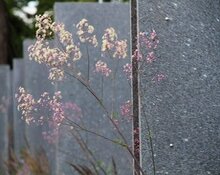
{"x": 108, "y": 116}
{"x": 88, "y": 152}
{"x": 150, "y": 140}
{"x": 80, "y": 142}
{"x": 89, "y": 131}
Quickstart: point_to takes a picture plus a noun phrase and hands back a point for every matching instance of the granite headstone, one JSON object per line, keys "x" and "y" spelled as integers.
{"x": 182, "y": 110}
{"x": 5, "y": 80}
{"x": 93, "y": 117}
{"x": 19, "y": 124}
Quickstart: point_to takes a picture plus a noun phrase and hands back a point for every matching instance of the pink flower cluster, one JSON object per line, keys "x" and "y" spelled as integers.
{"x": 29, "y": 107}
{"x": 126, "y": 110}
{"x": 120, "y": 49}
{"x": 56, "y": 107}
{"x": 72, "y": 111}
{"x": 137, "y": 56}
{"x": 150, "y": 42}
{"x": 158, "y": 77}
{"x": 53, "y": 58}
{"x": 102, "y": 68}
{"x": 44, "y": 25}
{"x": 110, "y": 42}
{"x": 66, "y": 40}
{"x": 85, "y": 32}
{"x": 56, "y": 59}
{"x": 26, "y": 104}
{"x": 127, "y": 69}
{"x": 150, "y": 57}
{"x": 52, "y": 134}
{"x": 45, "y": 110}
{"x": 108, "y": 39}
{"x": 64, "y": 36}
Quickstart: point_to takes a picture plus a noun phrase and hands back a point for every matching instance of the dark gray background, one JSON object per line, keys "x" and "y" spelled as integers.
{"x": 184, "y": 109}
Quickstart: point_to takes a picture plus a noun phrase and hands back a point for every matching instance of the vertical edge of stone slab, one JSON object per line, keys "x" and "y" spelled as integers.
{"x": 101, "y": 16}
{"x": 4, "y": 109}
{"x": 182, "y": 110}
{"x": 19, "y": 124}
{"x": 10, "y": 118}
{"x": 36, "y": 83}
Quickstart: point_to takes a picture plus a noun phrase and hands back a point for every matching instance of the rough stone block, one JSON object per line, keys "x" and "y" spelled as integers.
{"x": 183, "y": 109}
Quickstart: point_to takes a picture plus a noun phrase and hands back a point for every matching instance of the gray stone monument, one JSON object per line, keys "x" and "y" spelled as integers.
{"x": 19, "y": 124}
{"x": 5, "y": 80}
{"x": 94, "y": 119}
{"x": 182, "y": 111}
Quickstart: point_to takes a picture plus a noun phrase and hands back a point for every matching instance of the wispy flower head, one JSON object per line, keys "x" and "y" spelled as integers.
{"x": 149, "y": 40}
{"x": 55, "y": 58}
{"x": 126, "y": 110}
{"x": 150, "y": 57}
{"x": 110, "y": 42}
{"x": 108, "y": 39}
{"x": 45, "y": 110}
{"x": 42, "y": 53}
{"x": 85, "y": 32}
{"x": 44, "y": 26}
{"x": 120, "y": 49}
{"x": 66, "y": 39}
{"x": 102, "y": 68}
{"x": 137, "y": 55}
{"x": 72, "y": 111}
{"x": 158, "y": 77}
{"x": 26, "y": 105}
{"x": 127, "y": 69}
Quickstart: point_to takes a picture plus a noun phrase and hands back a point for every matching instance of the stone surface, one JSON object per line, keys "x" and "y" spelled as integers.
{"x": 5, "y": 80}
{"x": 183, "y": 109}
{"x": 19, "y": 124}
{"x": 101, "y": 16}
{"x": 36, "y": 83}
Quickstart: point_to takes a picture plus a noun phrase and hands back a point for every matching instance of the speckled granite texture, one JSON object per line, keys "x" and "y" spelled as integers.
{"x": 183, "y": 110}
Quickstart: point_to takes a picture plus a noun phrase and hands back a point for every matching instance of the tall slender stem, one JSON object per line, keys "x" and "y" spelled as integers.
{"x": 88, "y": 152}
{"x": 110, "y": 118}
{"x": 150, "y": 137}
{"x": 151, "y": 142}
